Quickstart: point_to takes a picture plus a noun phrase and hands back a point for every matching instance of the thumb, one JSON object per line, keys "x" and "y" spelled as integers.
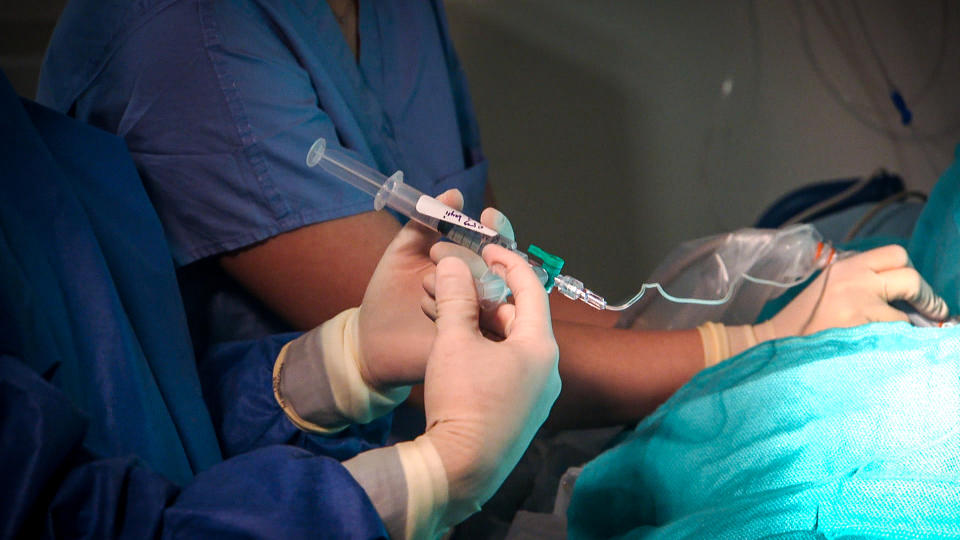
{"x": 532, "y": 306}
{"x": 457, "y": 306}
{"x": 417, "y": 238}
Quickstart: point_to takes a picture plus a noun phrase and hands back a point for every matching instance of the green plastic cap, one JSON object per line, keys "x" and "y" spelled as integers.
{"x": 549, "y": 262}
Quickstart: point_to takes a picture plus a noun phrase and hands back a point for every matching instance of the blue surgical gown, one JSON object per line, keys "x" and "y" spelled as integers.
{"x": 220, "y": 101}
{"x": 107, "y": 428}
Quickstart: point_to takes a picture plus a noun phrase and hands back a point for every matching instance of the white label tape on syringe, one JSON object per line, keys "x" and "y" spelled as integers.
{"x": 429, "y": 206}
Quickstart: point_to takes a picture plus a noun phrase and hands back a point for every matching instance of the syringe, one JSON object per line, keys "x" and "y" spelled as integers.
{"x": 456, "y": 226}
{"x": 393, "y": 193}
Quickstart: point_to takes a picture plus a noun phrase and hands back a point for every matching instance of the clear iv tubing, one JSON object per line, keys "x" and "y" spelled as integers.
{"x": 600, "y": 303}
{"x": 705, "y": 301}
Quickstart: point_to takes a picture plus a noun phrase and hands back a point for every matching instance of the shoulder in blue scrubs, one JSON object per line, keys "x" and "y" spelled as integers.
{"x": 219, "y": 101}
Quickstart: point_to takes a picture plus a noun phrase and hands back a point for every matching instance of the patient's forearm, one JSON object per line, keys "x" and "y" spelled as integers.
{"x": 613, "y": 376}
{"x": 565, "y": 309}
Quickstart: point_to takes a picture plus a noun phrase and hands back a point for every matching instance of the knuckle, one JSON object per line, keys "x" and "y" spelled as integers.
{"x": 916, "y": 280}
{"x": 545, "y": 351}
{"x": 898, "y": 253}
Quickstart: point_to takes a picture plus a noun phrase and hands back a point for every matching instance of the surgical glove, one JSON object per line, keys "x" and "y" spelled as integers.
{"x": 857, "y": 290}
{"x": 852, "y": 291}
{"x": 484, "y": 400}
{"x": 395, "y": 335}
{"x": 492, "y": 218}
{"x": 355, "y": 367}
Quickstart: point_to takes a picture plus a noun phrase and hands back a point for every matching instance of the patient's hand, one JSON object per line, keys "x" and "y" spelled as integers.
{"x": 854, "y": 291}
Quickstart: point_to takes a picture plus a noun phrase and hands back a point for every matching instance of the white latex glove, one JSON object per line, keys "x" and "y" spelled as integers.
{"x": 394, "y": 335}
{"x": 356, "y": 366}
{"x": 857, "y": 290}
{"x": 485, "y": 400}
{"x": 492, "y": 218}
{"x": 852, "y": 291}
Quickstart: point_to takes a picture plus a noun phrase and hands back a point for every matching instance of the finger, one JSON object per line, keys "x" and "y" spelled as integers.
{"x": 496, "y": 220}
{"x": 456, "y": 297}
{"x": 429, "y": 307}
{"x": 430, "y": 284}
{"x": 442, "y": 250}
{"x": 452, "y": 198}
{"x": 418, "y": 238}
{"x": 906, "y": 284}
{"x": 530, "y": 298}
{"x": 499, "y": 320}
{"x": 884, "y": 258}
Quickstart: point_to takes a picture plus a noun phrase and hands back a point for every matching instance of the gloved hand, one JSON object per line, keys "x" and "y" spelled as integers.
{"x": 490, "y": 217}
{"x": 852, "y": 291}
{"x": 485, "y": 400}
{"x": 355, "y": 367}
{"x": 494, "y": 219}
{"x": 857, "y": 290}
{"x": 394, "y": 335}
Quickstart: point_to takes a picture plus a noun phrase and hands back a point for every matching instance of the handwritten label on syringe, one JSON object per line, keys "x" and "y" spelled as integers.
{"x": 431, "y": 207}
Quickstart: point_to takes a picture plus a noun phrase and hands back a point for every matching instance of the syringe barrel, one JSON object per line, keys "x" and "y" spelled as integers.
{"x": 345, "y": 168}
{"x": 451, "y": 223}
{"x": 398, "y": 195}
{"x": 395, "y": 194}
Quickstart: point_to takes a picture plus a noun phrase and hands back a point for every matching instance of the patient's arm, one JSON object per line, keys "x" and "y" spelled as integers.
{"x": 565, "y": 309}
{"x": 308, "y": 275}
{"x": 613, "y": 376}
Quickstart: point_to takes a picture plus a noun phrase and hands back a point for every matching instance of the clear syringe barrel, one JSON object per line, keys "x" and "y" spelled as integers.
{"x": 453, "y": 224}
{"x": 393, "y": 193}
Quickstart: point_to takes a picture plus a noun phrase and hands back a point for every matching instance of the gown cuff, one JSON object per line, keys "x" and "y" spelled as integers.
{"x": 317, "y": 380}
{"x": 407, "y": 484}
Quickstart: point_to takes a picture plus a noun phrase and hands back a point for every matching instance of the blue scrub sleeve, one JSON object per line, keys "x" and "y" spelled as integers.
{"x": 237, "y": 381}
{"x": 218, "y": 114}
{"x": 53, "y": 487}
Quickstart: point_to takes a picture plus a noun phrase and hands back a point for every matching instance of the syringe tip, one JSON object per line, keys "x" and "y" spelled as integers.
{"x": 594, "y": 300}
{"x": 573, "y": 289}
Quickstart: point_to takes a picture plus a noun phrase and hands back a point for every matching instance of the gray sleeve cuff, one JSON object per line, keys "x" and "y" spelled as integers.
{"x": 381, "y": 475}
{"x": 317, "y": 379}
{"x": 303, "y": 388}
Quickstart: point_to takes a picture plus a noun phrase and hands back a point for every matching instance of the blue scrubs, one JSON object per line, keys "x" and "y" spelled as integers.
{"x": 219, "y": 101}
{"x": 107, "y": 429}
